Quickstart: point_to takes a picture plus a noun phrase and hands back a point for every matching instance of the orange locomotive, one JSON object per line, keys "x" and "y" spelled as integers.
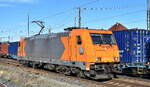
{"x": 83, "y": 52}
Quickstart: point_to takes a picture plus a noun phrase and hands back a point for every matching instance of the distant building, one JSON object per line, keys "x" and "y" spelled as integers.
{"x": 118, "y": 27}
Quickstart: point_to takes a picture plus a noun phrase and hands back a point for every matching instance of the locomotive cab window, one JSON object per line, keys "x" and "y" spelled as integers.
{"x": 79, "y": 41}
{"x": 102, "y": 38}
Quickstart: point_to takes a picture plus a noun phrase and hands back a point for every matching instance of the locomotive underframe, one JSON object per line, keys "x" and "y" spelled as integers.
{"x": 97, "y": 70}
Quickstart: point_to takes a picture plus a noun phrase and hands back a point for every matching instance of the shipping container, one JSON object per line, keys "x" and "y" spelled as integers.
{"x": 3, "y": 49}
{"x": 134, "y": 46}
{"x": 13, "y": 49}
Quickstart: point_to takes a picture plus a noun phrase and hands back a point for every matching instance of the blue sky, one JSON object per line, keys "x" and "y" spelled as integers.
{"x": 13, "y": 15}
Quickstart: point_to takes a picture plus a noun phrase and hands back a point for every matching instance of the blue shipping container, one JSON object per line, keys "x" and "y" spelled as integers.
{"x": 134, "y": 45}
{"x": 13, "y": 48}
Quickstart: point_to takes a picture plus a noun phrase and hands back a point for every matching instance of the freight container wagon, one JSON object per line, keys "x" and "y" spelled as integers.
{"x": 83, "y": 52}
{"x": 13, "y": 49}
{"x": 3, "y": 49}
{"x": 134, "y": 46}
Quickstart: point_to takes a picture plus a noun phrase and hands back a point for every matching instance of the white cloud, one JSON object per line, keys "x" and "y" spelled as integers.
{"x": 20, "y": 1}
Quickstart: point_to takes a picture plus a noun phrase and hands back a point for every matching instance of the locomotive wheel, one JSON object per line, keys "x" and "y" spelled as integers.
{"x": 33, "y": 65}
{"x": 58, "y": 69}
{"x": 49, "y": 67}
{"x": 63, "y": 69}
{"x": 67, "y": 71}
{"x": 81, "y": 74}
{"x": 25, "y": 63}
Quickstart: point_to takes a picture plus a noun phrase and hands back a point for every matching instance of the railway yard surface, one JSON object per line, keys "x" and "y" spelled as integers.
{"x": 14, "y": 74}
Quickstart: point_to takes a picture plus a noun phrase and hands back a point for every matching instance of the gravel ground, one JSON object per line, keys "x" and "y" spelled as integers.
{"x": 28, "y": 77}
{"x": 7, "y": 83}
{"x": 16, "y": 75}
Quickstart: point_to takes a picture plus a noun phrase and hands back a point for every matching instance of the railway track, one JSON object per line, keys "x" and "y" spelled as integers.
{"x": 10, "y": 62}
{"x": 122, "y": 81}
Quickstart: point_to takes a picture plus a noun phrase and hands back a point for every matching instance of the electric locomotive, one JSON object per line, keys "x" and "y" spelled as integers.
{"x": 83, "y": 52}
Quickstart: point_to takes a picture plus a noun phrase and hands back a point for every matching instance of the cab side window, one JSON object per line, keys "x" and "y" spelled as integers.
{"x": 79, "y": 41}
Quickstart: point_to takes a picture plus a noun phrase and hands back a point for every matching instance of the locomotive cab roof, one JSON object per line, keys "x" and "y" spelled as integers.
{"x": 72, "y": 28}
{"x": 75, "y": 28}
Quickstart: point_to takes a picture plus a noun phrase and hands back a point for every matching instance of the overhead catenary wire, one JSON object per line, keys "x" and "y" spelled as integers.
{"x": 67, "y": 10}
{"x": 130, "y": 22}
{"x": 94, "y": 1}
{"x": 102, "y": 8}
{"x": 135, "y": 21}
{"x": 111, "y": 17}
{"x": 61, "y": 22}
{"x": 108, "y": 8}
{"x": 104, "y": 19}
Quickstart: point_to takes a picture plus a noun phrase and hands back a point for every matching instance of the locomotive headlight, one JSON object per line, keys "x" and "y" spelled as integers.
{"x": 116, "y": 58}
{"x": 98, "y": 59}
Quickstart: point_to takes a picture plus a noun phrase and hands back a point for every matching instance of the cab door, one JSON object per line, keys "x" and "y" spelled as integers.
{"x": 79, "y": 48}
{"x": 76, "y": 48}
